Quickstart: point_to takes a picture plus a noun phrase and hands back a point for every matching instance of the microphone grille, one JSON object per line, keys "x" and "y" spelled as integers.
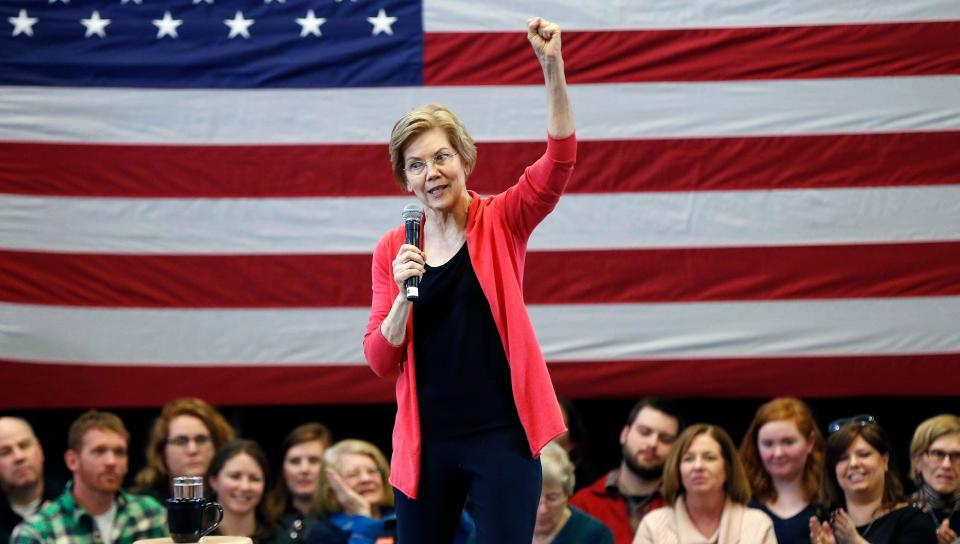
{"x": 412, "y": 212}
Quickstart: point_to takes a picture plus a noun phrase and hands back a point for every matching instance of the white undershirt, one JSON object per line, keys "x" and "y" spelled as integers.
{"x": 105, "y": 523}
{"x": 26, "y": 510}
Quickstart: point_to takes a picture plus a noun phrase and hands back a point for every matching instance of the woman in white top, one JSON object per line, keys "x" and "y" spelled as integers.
{"x": 704, "y": 480}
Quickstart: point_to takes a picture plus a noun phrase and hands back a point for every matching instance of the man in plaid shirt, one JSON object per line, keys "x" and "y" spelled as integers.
{"x": 93, "y": 508}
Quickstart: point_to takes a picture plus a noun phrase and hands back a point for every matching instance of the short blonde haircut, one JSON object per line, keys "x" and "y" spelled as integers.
{"x": 926, "y": 434}
{"x": 331, "y": 458}
{"x": 557, "y": 467}
{"x": 423, "y": 119}
{"x": 736, "y": 487}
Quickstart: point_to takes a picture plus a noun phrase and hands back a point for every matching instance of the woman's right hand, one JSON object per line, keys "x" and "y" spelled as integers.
{"x": 408, "y": 264}
{"x": 352, "y": 502}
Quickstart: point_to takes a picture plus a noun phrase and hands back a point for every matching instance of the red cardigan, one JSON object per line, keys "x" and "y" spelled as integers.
{"x": 497, "y": 231}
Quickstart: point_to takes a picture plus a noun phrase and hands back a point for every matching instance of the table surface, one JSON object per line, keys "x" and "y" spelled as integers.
{"x": 204, "y": 540}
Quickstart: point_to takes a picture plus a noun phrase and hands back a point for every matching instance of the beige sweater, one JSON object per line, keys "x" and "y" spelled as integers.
{"x": 738, "y": 525}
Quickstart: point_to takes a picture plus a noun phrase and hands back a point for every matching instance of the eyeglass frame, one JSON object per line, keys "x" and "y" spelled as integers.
{"x": 863, "y": 420}
{"x": 438, "y": 160}
{"x": 939, "y": 455}
{"x": 182, "y": 441}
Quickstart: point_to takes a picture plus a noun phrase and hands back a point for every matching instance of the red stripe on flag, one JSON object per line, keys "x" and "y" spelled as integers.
{"x": 701, "y": 164}
{"x": 50, "y": 385}
{"x": 556, "y": 277}
{"x": 722, "y": 54}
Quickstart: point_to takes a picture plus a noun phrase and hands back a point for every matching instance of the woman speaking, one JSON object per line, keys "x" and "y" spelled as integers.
{"x": 475, "y": 403}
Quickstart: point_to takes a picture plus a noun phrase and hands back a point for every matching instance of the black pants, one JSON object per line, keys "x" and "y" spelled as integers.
{"x": 495, "y": 468}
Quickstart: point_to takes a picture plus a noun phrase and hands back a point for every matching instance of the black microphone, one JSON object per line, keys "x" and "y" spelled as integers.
{"x": 412, "y": 215}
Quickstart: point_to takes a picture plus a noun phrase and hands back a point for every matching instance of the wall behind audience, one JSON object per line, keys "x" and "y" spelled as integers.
{"x": 603, "y": 419}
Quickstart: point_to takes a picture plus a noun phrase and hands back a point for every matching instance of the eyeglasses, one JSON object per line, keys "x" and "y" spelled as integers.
{"x": 182, "y": 440}
{"x": 417, "y": 167}
{"x": 939, "y": 455}
{"x": 862, "y": 420}
{"x": 356, "y": 473}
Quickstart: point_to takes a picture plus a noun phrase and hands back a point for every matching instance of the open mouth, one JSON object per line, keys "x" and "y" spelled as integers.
{"x": 436, "y": 191}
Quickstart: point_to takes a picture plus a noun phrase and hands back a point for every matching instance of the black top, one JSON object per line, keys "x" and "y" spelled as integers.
{"x": 907, "y": 525}
{"x": 792, "y": 530}
{"x": 463, "y": 378}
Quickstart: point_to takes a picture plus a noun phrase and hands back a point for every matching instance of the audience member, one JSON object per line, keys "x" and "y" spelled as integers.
{"x": 238, "y": 477}
{"x": 705, "y": 483}
{"x": 935, "y": 469}
{"x": 292, "y": 500}
{"x": 93, "y": 507}
{"x": 557, "y": 521}
{"x": 24, "y": 486}
{"x": 782, "y": 454}
{"x": 861, "y": 492}
{"x": 184, "y": 438}
{"x": 626, "y": 494}
{"x": 356, "y": 491}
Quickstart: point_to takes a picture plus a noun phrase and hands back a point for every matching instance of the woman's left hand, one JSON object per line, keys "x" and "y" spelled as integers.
{"x": 544, "y": 36}
{"x": 946, "y": 535}
{"x": 845, "y": 529}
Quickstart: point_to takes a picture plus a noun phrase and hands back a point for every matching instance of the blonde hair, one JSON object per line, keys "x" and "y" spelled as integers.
{"x": 331, "y": 458}
{"x": 926, "y": 434}
{"x": 420, "y": 120}
{"x": 557, "y": 467}
{"x": 736, "y": 487}
{"x": 783, "y": 409}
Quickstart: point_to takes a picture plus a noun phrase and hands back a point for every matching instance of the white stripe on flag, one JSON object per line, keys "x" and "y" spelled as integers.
{"x": 493, "y": 113}
{"x": 617, "y": 332}
{"x": 353, "y": 225}
{"x": 508, "y": 15}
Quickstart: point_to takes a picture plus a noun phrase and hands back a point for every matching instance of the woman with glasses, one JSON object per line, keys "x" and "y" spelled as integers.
{"x": 861, "y": 494}
{"x": 782, "y": 453}
{"x": 557, "y": 521}
{"x": 475, "y": 403}
{"x": 935, "y": 468}
{"x": 292, "y": 500}
{"x": 705, "y": 483}
{"x": 184, "y": 438}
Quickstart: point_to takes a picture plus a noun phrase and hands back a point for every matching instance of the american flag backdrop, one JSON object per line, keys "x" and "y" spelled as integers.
{"x": 766, "y": 200}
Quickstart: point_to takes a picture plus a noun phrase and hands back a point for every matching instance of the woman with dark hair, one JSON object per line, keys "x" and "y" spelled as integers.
{"x": 782, "y": 453}
{"x": 707, "y": 488}
{"x": 184, "y": 438}
{"x": 292, "y": 500}
{"x": 238, "y": 477}
{"x": 935, "y": 469}
{"x": 861, "y": 492}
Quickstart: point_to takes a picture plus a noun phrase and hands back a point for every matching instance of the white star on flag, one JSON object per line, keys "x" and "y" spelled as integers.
{"x": 95, "y": 25}
{"x": 311, "y": 24}
{"x": 278, "y": 1}
{"x": 238, "y": 25}
{"x": 55, "y": 1}
{"x": 23, "y": 23}
{"x": 382, "y": 23}
{"x": 195, "y": 2}
{"x": 167, "y": 26}
{"x": 134, "y": 1}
